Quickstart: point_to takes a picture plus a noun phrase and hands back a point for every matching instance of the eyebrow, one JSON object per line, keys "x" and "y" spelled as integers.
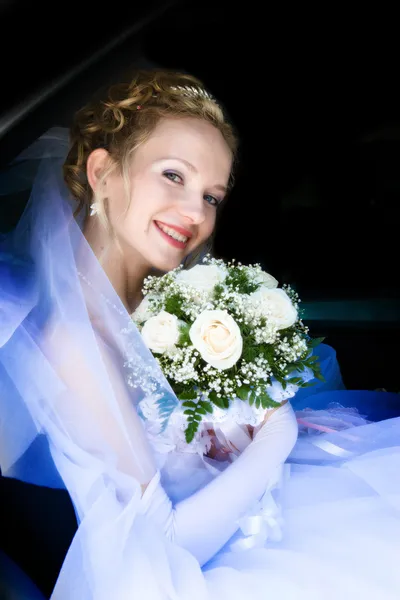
{"x": 218, "y": 186}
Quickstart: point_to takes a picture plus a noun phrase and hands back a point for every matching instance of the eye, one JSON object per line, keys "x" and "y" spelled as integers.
{"x": 212, "y": 200}
{"x": 172, "y": 176}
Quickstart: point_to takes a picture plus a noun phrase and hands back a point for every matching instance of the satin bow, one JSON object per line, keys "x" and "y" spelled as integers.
{"x": 265, "y": 524}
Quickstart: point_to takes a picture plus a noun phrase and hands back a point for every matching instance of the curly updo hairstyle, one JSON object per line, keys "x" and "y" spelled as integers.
{"x": 126, "y": 118}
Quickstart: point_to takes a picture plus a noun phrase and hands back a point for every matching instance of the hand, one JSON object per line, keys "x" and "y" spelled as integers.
{"x": 222, "y": 452}
{"x": 217, "y": 451}
{"x": 269, "y": 412}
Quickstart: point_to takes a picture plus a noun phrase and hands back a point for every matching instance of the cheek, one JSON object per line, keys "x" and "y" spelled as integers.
{"x": 208, "y": 226}
{"x": 148, "y": 199}
{"x": 117, "y": 198}
{"x": 139, "y": 210}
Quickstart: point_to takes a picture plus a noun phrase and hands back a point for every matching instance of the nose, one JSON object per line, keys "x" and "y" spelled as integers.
{"x": 193, "y": 209}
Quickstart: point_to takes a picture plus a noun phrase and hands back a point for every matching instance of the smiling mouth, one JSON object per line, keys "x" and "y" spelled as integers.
{"x": 178, "y": 240}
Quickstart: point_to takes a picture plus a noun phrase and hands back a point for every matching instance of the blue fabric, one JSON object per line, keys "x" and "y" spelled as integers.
{"x": 332, "y": 377}
{"x": 374, "y": 406}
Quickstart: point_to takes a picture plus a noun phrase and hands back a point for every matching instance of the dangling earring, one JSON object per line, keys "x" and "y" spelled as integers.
{"x": 94, "y": 209}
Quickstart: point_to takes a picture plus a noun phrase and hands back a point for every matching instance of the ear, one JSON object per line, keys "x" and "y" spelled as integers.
{"x": 97, "y": 163}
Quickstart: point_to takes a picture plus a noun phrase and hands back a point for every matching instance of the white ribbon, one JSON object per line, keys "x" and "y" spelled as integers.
{"x": 330, "y": 448}
{"x": 261, "y": 527}
{"x": 265, "y": 521}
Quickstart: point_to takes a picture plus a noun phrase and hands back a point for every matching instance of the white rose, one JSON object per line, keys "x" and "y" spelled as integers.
{"x": 202, "y": 277}
{"x": 143, "y": 311}
{"x": 161, "y": 332}
{"x": 265, "y": 279}
{"x": 217, "y": 337}
{"x": 275, "y": 305}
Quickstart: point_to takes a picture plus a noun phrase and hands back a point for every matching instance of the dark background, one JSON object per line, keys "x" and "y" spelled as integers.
{"x": 314, "y": 96}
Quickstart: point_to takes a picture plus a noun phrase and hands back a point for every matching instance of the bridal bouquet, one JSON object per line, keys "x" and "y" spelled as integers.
{"x": 228, "y": 339}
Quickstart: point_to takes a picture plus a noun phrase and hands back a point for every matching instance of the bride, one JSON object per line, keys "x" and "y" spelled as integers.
{"x": 145, "y": 173}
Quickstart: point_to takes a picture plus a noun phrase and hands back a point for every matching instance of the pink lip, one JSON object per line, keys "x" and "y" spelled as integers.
{"x": 171, "y": 240}
{"x": 180, "y": 230}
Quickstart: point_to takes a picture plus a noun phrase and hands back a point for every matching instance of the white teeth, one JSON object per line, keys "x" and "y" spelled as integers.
{"x": 174, "y": 234}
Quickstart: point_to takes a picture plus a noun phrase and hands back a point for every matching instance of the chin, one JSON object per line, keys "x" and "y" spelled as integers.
{"x": 164, "y": 264}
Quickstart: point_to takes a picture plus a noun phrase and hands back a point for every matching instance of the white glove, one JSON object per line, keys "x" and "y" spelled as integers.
{"x": 205, "y": 521}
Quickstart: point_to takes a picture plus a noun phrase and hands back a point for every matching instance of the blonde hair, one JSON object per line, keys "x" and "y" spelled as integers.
{"x": 126, "y": 118}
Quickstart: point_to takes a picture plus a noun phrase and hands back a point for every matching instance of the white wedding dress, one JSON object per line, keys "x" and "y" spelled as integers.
{"x": 317, "y": 518}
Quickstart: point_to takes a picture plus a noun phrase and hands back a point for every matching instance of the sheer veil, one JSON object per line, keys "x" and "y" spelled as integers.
{"x": 72, "y": 368}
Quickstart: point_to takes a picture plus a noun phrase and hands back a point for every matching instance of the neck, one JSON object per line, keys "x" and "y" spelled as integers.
{"x": 124, "y": 267}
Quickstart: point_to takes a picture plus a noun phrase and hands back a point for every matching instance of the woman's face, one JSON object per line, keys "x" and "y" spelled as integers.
{"x": 177, "y": 179}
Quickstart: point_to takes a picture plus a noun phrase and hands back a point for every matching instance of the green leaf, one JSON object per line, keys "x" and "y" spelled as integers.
{"x": 239, "y": 279}
{"x": 267, "y": 401}
{"x": 315, "y": 342}
{"x": 187, "y": 395}
{"x": 184, "y": 337}
{"x": 207, "y": 406}
{"x": 173, "y": 305}
{"x": 295, "y": 380}
{"x": 243, "y": 392}
{"x": 190, "y": 433}
{"x": 218, "y": 291}
{"x": 189, "y": 404}
{"x": 308, "y": 384}
{"x": 220, "y": 402}
{"x": 311, "y": 359}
